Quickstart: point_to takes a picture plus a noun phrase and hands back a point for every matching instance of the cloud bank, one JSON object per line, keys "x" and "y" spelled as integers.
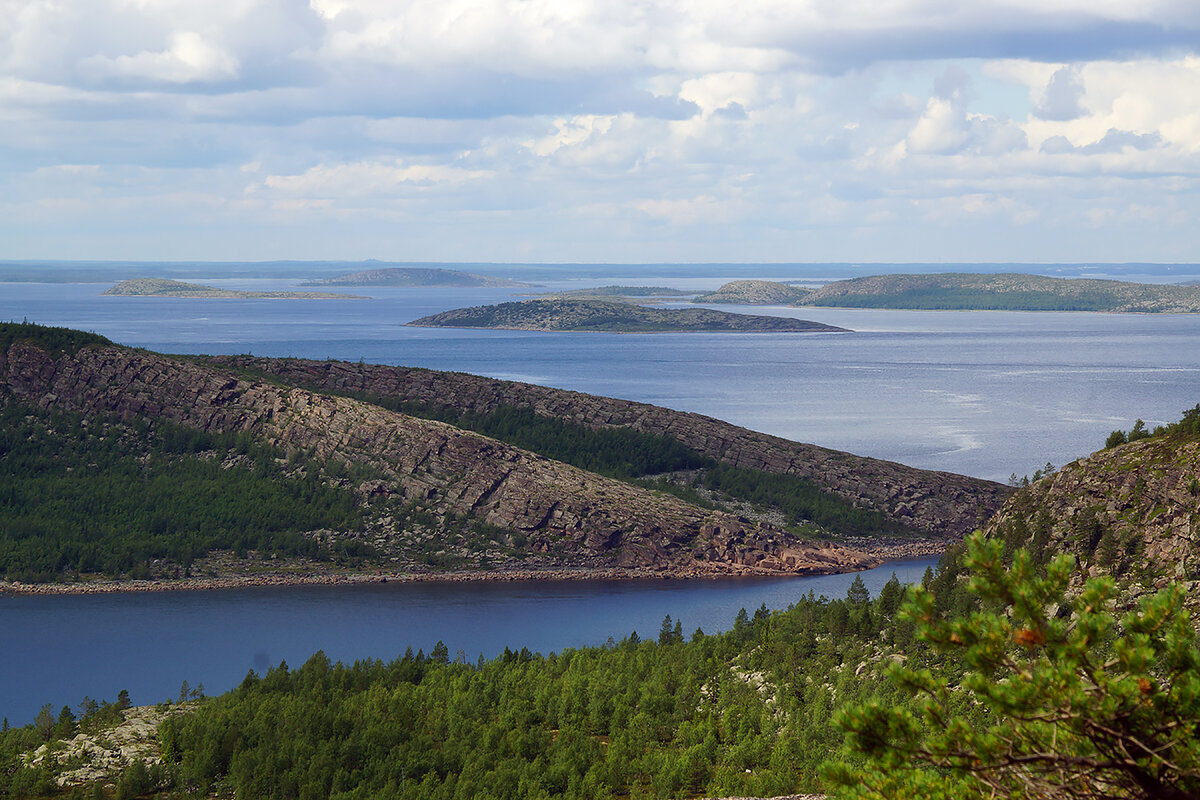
{"x": 580, "y": 130}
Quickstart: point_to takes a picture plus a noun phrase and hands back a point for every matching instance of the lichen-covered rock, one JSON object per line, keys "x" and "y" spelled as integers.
{"x": 1131, "y": 510}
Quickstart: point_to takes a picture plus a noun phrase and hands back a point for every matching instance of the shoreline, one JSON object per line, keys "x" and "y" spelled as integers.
{"x": 16, "y": 588}
{"x": 278, "y": 580}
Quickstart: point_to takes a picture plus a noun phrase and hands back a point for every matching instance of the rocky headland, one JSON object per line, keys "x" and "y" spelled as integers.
{"x": 564, "y": 517}
{"x": 1132, "y": 511}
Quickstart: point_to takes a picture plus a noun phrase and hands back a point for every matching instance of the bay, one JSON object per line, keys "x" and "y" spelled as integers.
{"x": 60, "y": 648}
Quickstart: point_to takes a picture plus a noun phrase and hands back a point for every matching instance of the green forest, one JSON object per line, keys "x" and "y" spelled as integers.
{"x": 87, "y": 494}
{"x": 938, "y": 298}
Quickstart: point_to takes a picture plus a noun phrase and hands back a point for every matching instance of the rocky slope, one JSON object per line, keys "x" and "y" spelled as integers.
{"x": 578, "y": 518}
{"x": 939, "y": 503}
{"x": 756, "y": 293}
{"x": 417, "y": 276}
{"x": 163, "y": 287}
{"x": 599, "y": 315}
{"x": 1132, "y": 510}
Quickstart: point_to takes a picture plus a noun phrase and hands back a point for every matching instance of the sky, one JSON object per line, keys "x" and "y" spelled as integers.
{"x": 615, "y": 131}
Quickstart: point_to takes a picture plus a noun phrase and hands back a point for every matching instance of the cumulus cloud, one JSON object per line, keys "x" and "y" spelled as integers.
{"x": 770, "y": 121}
{"x": 1113, "y": 141}
{"x": 946, "y": 127}
{"x": 1061, "y": 101}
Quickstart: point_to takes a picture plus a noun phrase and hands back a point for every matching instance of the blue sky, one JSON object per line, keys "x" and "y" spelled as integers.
{"x": 600, "y": 130}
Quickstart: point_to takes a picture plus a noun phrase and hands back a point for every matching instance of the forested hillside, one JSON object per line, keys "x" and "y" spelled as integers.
{"x": 178, "y": 459}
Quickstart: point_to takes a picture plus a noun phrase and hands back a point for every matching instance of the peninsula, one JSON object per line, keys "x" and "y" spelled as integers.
{"x": 418, "y": 276}
{"x": 286, "y": 471}
{"x": 568, "y": 314}
{"x": 163, "y": 287}
{"x": 970, "y": 291}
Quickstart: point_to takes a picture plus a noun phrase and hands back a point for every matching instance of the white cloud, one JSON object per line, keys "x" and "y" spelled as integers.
{"x": 368, "y": 179}
{"x": 188, "y": 59}
{"x": 768, "y": 121}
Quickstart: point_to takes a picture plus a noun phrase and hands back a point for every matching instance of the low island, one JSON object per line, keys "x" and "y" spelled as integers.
{"x": 163, "y": 287}
{"x": 564, "y": 314}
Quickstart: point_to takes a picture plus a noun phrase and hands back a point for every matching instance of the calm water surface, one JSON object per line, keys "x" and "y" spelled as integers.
{"x": 58, "y": 649}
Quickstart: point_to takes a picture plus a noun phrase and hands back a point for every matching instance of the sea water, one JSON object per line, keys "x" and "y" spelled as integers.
{"x": 980, "y": 393}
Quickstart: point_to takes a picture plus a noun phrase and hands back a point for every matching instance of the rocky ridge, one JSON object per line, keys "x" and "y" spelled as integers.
{"x": 942, "y": 504}
{"x": 582, "y": 519}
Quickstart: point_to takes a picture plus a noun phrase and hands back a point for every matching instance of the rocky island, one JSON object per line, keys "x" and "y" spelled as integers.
{"x": 756, "y": 293}
{"x": 163, "y": 287}
{"x": 970, "y": 291}
{"x": 568, "y": 314}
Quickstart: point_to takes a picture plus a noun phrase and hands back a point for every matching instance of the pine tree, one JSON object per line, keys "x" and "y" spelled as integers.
{"x": 1074, "y": 704}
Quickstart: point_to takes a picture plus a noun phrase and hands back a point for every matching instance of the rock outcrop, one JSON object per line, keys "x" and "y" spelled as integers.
{"x": 583, "y": 519}
{"x": 941, "y": 504}
{"x": 1128, "y": 510}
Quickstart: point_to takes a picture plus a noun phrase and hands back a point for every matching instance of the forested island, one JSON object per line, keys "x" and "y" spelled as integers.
{"x": 973, "y": 291}
{"x": 164, "y": 287}
{"x": 417, "y": 276}
{"x": 575, "y": 314}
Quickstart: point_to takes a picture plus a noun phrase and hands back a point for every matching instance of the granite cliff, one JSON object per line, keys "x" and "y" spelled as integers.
{"x": 940, "y": 504}
{"x": 565, "y": 516}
